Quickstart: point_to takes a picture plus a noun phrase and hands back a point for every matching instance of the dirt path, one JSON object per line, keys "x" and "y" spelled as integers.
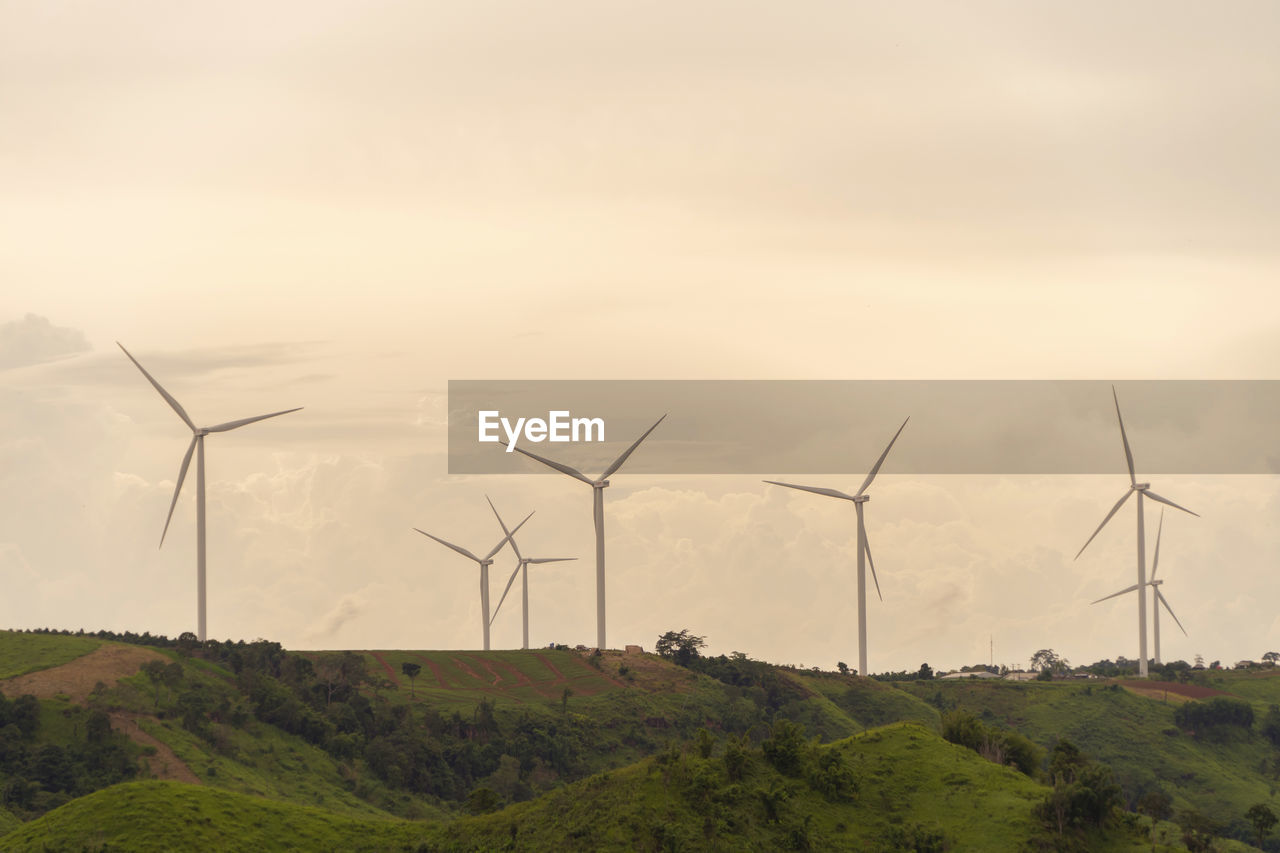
{"x": 164, "y": 764}
{"x": 522, "y": 680}
{"x": 549, "y": 665}
{"x": 391, "y": 673}
{"x": 497, "y": 679}
{"x": 466, "y": 669}
{"x": 108, "y": 665}
{"x": 436, "y": 670}
{"x": 77, "y": 679}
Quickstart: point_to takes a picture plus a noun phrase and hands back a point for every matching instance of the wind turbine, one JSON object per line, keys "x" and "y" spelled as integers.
{"x": 485, "y": 562}
{"x": 522, "y": 566}
{"x": 197, "y": 447}
{"x": 864, "y": 549}
{"x": 1157, "y": 597}
{"x": 1141, "y": 489}
{"x": 598, "y": 485}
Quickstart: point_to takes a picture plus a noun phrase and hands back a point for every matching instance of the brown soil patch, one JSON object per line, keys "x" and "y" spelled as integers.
{"x": 107, "y": 664}
{"x": 76, "y": 679}
{"x": 497, "y": 679}
{"x": 164, "y": 764}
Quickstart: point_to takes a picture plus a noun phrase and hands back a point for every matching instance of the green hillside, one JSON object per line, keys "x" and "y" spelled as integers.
{"x": 900, "y": 787}
{"x": 574, "y": 750}
{"x": 22, "y": 653}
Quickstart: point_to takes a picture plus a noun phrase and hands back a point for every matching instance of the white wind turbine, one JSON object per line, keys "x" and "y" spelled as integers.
{"x": 485, "y": 562}
{"x": 1157, "y": 597}
{"x": 864, "y": 549}
{"x": 197, "y": 447}
{"x": 1141, "y": 489}
{"x": 522, "y": 567}
{"x": 598, "y": 486}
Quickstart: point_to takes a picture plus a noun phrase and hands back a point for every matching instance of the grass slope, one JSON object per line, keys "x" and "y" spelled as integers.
{"x": 170, "y": 816}
{"x": 1219, "y": 774}
{"x": 22, "y": 653}
{"x": 910, "y": 785}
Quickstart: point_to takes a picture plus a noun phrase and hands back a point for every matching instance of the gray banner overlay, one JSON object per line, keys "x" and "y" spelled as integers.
{"x": 771, "y": 427}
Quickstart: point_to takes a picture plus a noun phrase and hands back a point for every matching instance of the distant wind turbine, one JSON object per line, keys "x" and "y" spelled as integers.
{"x": 197, "y": 447}
{"x": 598, "y": 485}
{"x": 485, "y": 562}
{"x": 522, "y": 567}
{"x": 1141, "y": 489}
{"x": 1157, "y": 597}
{"x": 864, "y": 549}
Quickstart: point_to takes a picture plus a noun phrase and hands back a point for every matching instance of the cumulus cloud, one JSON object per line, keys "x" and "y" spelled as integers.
{"x": 35, "y": 340}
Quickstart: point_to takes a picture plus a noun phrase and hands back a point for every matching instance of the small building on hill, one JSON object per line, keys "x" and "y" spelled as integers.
{"x": 981, "y": 673}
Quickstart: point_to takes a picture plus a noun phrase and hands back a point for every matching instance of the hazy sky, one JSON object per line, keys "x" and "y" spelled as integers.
{"x": 343, "y": 206}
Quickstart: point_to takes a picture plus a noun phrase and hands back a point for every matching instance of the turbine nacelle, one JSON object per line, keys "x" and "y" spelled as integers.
{"x": 860, "y": 499}
{"x": 600, "y": 484}
{"x": 1140, "y": 487}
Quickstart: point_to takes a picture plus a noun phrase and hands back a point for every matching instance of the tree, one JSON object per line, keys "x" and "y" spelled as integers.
{"x": 1263, "y": 820}
{"x": 411, "y": 670}
{"x": 843, "y": 667}
{"x": 1047, "y": 660}
{"x": 681, "y": 647}
{"x": 154, "y": 670}
{"x": 1156, "y": 804}
{"x": 1271, "y": 657}
{"x": 926, "y": 672}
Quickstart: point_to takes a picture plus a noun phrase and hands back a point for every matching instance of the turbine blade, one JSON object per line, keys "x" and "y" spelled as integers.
{"x": 831, "y": 493}
{"x": 463, "y": 551}
{"x": 1155, "y": 562}
{"x": 550, "y": 559}
{"x": 1114, "y": 594}
{"x": 1168, "y": 502}
{"x": 1128, "y": 454}
{"x": 182, "y": 475}
{"x": 501, "y": 523}
{"x": 1114, "y": 510}
{"x": 1160, "y": 597}
{"x": 505, "y": 539}
{"x": 230, "y": 425}
{"x": 563, "y": 469}
{"x": 617, "y": 463}
{"x": 876, "y": 469}
{"x": 168, "y": 398}
{"x": 510, "y": 580}
{"x": 870, "y": 562}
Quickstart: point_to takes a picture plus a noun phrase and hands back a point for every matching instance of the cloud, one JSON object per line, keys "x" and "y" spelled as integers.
{"x": 34, "y": 340}
{"x": 343, "y": 612}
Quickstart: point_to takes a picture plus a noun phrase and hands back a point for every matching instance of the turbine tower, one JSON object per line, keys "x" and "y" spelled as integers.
{"x": 598, "y": 486}
{"x": 522, "y": 566}
{"x": 1157, "y": 597}
{"x": 864, "y": 548}
{"x": 196, "y": 447}
{"x": 485, "y": 562}
{"x": 1141, "y": 489}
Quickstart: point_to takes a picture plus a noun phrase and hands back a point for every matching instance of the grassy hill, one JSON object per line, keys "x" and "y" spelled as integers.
{"x": 341, "y": 750}
{"x": 908, "y": 789}
{"x": 23, "y": 653}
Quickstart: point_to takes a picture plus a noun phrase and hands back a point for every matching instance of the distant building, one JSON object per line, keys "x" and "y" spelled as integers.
{"x": 1245, "y": 664}
{"x": 1022, "y": 675}
{"x": 981, "y": 673}
{"x": 634, "y": 650}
